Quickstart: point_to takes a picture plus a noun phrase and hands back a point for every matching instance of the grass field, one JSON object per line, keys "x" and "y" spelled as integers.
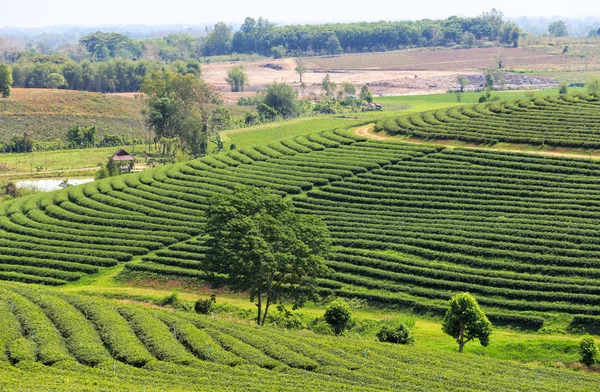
{"x": 59, "y": 162}
{"x": 48, "y": 114}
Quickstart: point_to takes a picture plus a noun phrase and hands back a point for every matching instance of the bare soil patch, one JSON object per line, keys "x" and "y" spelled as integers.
{"x": 407, "y": 72}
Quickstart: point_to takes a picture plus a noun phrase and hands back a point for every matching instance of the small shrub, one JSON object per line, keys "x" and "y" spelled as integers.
{"x": 338, "y": 315}
{"x": 204, "y": 306}
{"x": 400, "y": 334}
{"x": 286, "y": 319}
{"x": 563, "y": 89}
{"x": 588, "y": 350}
{"x": 172, "y": 299}
{"x": 320, "y": 326}
{"x": 186, "y": 306}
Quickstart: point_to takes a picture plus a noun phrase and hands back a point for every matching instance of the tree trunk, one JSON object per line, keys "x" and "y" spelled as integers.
{"x": 266, "y": 309}
{"x": 259, "y": 306}
{"x": 461, "y": 340}
{"x": 461, "y": 345}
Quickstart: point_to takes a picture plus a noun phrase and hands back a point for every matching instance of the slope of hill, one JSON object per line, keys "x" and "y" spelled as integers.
{"x": 67, "y": 342}
{"x": 48, "y": 114}
{"x": 558, "y": 121}
{"x": 413, "y": 224}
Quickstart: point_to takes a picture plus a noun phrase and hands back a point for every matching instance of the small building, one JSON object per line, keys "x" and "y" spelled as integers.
{"x": 124, "y": 160}
{"x": 370, "y": 106}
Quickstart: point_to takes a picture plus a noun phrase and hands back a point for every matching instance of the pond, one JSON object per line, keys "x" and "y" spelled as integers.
{"x": 50, "y": 184}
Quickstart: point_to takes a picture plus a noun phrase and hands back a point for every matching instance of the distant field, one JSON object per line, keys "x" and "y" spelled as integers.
{"x": 266, "y": 133}
{"x": 566, "y": 121}
{"x": 439, "y": 60}
{"x": 50, "y": 161}
{"x": 48, "y": 114}
{"x": 583, "y": 53}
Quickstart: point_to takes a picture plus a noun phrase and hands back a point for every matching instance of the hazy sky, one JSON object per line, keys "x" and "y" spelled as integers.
{"x": 36, "y": 13}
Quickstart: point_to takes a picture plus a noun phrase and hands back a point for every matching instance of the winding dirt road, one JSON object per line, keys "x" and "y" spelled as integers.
{"x": 367, "y": 131}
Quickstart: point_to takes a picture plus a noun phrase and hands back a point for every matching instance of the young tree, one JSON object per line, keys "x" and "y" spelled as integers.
{"x": 365, "y": 94}
{"x": 282, "y": 98}
{"x": 593, "y": 86}
{"x": 563, "y": 89}
{"x": 558, "y": 29}
{"x": 328, "y": 86}
{"x": 588, "y": 350}
{"x": 462, "y": 82}
{"x": 264, "y": 248}
{"x": 300, "y": 70}
{"x": 6, "y": 80}
{"x": 399, "y": 334}
{"x": 465, "y": 321}
{"x": 237, "y": 78}
{"x": 178, "y": 106}
{"x": 338, "y": 315}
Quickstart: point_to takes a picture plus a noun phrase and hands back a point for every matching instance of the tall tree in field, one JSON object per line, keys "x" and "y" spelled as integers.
{"x": 465, "y": 321}
{"x": 264, "y": 248}
{"x": 300, "y": 70}
{"x": 558, "y": 29}
{"x": 6, "y": 80}
{"x": 462, "y": 82}
{"x": 282, "y": 98}
{"x": 237, "y": 78}
{"x": 178, "y": 106}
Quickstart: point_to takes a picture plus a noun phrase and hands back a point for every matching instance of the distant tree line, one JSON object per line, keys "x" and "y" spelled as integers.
{"x": 113, "y": 62}
{"x": 114, "y": 75}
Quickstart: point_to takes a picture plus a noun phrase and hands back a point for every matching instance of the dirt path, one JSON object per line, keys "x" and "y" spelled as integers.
{"x": 367, "y": 131}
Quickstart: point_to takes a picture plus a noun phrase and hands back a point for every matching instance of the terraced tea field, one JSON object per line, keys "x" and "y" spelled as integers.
{"x": 571, "y": 121}
{"x": 412, "y": 224}
{"x": 53, "y": 341}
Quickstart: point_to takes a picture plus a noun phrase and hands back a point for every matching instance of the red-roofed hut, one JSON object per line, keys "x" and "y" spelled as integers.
{"x": 124, "y": 160}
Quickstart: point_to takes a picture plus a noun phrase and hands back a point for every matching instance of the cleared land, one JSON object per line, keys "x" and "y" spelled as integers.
{"x": 438, "y": 60}
{"x": 47, "y": 114}
{"x": 399, "y": 72}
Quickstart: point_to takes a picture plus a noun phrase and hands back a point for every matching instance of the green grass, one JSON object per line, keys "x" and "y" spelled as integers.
{"x": 56, "y": 163}
{"x": 268, "y": 133}
{"x": 422, "y": 103}
{"x": 507, "y": 343}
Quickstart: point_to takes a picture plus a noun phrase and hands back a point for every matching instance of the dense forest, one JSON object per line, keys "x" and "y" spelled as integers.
{"x": 114, "y": 62}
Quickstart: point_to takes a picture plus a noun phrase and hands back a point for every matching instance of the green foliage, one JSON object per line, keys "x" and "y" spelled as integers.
{"x": 338, "y": 315}
{"x": 177, "y": 108}
{"x": 563, "y": 88}
{"x": 558, "y": 29}
{"x": 218, "y": 41}
{"x": 81, "y": 136}
{"x": 204, "y": 306}
{"x": 588, "y": 350}
{"x": 264, "y": 247}
{"x": 593, "y": 86}
{"x": 21, "y": 350}
{"x": 282, "y": 98}
{"x": 399, "y": 334}
{"x": 237, "y": 78}
{"x": 465, "y": 321}
{"x": 332, "y": 45}
{"x": 6, "y": 80}
{"x": 266, "y": 113}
